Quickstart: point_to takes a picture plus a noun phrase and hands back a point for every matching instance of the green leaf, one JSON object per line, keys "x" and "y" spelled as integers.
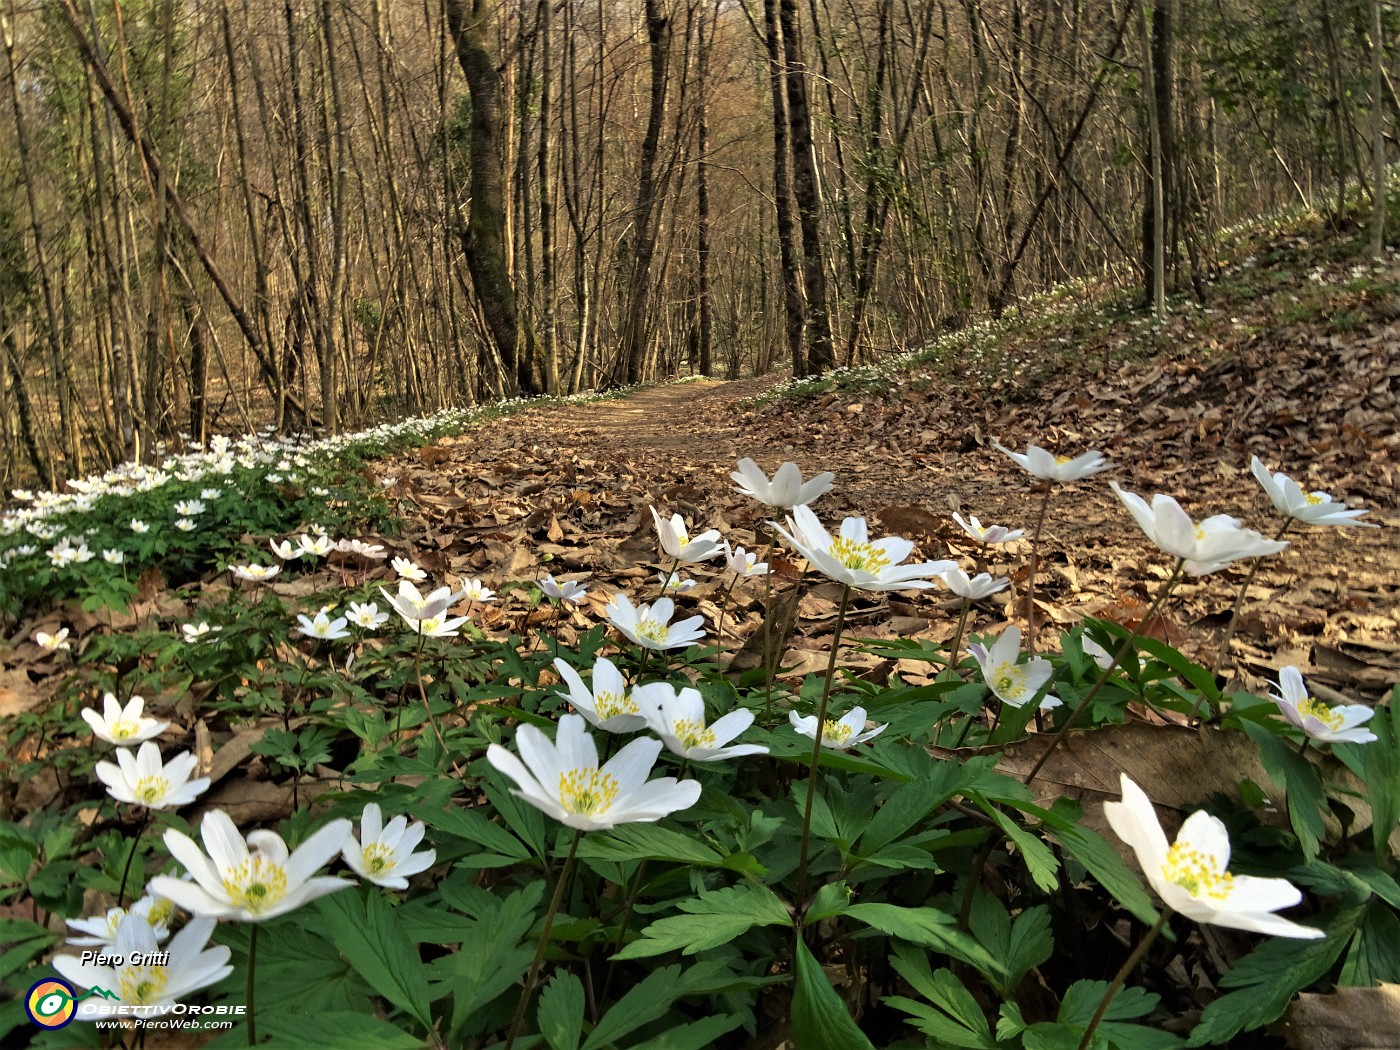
{"x": 1374, "y": 957}
{"x": 560, "y": 1016}
{"x": 1193, "y": 672}
{"x": 1300, "y": 782}
{"x": 364, "y": 930}
{"x": 353, "y": 1031}
{"x": 697, "y": 1035}
{"x": 648, "y": 842}
{"x": 1381, "y": 762}
{"x": 1020, "y": 945}
{"x": 473, "y": 826}
{"x": 820, "y": 1020}
{"x": 928, "y": 928}
{"x": 1040, "y": 861}
{"x": 910, "y": 803}
{"x": 1265, "y": 981}
{"x": 710, "y": 920}
{"x": 1082, "y": 998}
{"x": 1094, "y": 852}
{"x": 643, "y": 1003}
{"x": 957, "y": 1020}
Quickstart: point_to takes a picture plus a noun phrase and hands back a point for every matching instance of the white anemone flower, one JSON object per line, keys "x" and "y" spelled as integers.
{"x": 101, "y": 930}
{"x": 650, "y": 625}
{"x": 1013, "y": 683}
{"x": 563, "y": 778}
{"x": 989, "y": 534}
{"x": 384, "y": 853}
{"x": 744, "y": 564}
{"x": 607, "y": 704}
{"x": 678, "y": 718}
{"x": 786, "y": 490}
{"x": 185, "y": 525}
{"x": 973, "y": 588}
{"x": 1096, "y": 652}
{"x": 367, "y": 615}
{"x": 255, "y": 573}
{"x": 197, "y": 632}
{"x": 1337, "y": 725}
{"x": 284, "y": 549}
{"x": 1050, "y": 467}
{"x": 144, "y": 780}
{"x": 568, "y": 591}
{"x": 1191, "y": 875}
{"x": 53, "y": 642}
{"x": 318, "y": 546}
{"x": 674, "y": 582}
{"x": 1311, "y": 508}
{"x": 113, "y": 556}
{"x": 856, "y": 560}
{"x": 249, "y": 885}
{"x": 322, "y": 626}
{"x": 677, "y": 542}
{"x": 437, "y": 626}
{"x": 189, "y": 508}
{"x": 1211, "y": 545}
{"x": 838, "y": 733}
{"x": 123, "y": 724}
{"x": 409, "y": 570}
{"x": 476, "y": 591}
{"x": 412, "y": 605}
{"x": 189, "y": 966}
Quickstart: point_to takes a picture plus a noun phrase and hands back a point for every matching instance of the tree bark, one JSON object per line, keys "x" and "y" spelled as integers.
{"x": 484, "y": 240}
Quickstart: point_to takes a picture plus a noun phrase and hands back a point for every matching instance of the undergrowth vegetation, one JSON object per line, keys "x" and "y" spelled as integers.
{"x": 620, "y": 842}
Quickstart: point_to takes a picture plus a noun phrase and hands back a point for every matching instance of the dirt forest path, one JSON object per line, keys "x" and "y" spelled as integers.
{"x": 565, "y": 489}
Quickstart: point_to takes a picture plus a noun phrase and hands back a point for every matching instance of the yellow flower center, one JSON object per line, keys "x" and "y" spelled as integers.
{"x": 430, "y": 625}
{"x": 1062, "y": 460}
{"x": 152, "y": 789}
{"x": 255, "y": 885}
{"x": 1314, "y": 499}
{"x": 609, "y": 704}
{"x": 379, "y": 859}
{"x": 653, "y": 630}
{"x": 124, "y": 730}
{"x": 1199, "y": 874}
{"x": 1009, "y": 681}
{"x": 836, "y": 732}
{"x": 1321, "y": 712}
{"x": 141, "y": 985}
{"x": 859, "y": 556}
{"x": 692, "y": 733}
{"x": 682, "y": 537}
{"x": 160, "y": 911}
{"x": 587, "y": 791}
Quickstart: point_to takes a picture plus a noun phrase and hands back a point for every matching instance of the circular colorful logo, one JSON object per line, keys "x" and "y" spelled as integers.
{"x": 51, "y": 1003}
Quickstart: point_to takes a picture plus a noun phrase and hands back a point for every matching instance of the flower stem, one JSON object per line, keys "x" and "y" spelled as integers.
{"x": 252, "y": 987}
{"x": 1118, "y": 655}
{"x": 130, "y": 855}
{"x": 955, "y": 653}
{"x": 1129, "y": 965}
{"x": 817, "y": 748}
{"x": 769, "y": 670}
{"x": 1223, "y": 653}
{"x": 534, "y": 972}
{"x": 719, "y": 627}
{"x": 1035, "y": 567}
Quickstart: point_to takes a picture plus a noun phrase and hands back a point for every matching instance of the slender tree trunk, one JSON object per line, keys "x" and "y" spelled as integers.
{"x": 821, "y": 355}
{"x": 636, "y": 324}
{"x": 1378, "y": 191}
{"x": 795, "y": 309}
{"x": 484, "y": 240}
{"x": 1154, "y": 265}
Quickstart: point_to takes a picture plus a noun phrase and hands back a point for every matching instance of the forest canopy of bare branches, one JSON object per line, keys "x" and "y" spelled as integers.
{"x": 225, "y": 214}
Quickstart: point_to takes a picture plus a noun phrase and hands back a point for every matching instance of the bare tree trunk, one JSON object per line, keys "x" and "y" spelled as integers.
{"x": 821, "y": 355}
{"x": 702, "y": 194}
{"x": 484, "y": 240}
{"x": 636, "y": 328}
{"x": 1154, "y": 254}
{"x": 1378, "y": 191}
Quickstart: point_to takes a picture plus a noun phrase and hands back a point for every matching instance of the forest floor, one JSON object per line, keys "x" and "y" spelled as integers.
{"x": 1295, "y": 358}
